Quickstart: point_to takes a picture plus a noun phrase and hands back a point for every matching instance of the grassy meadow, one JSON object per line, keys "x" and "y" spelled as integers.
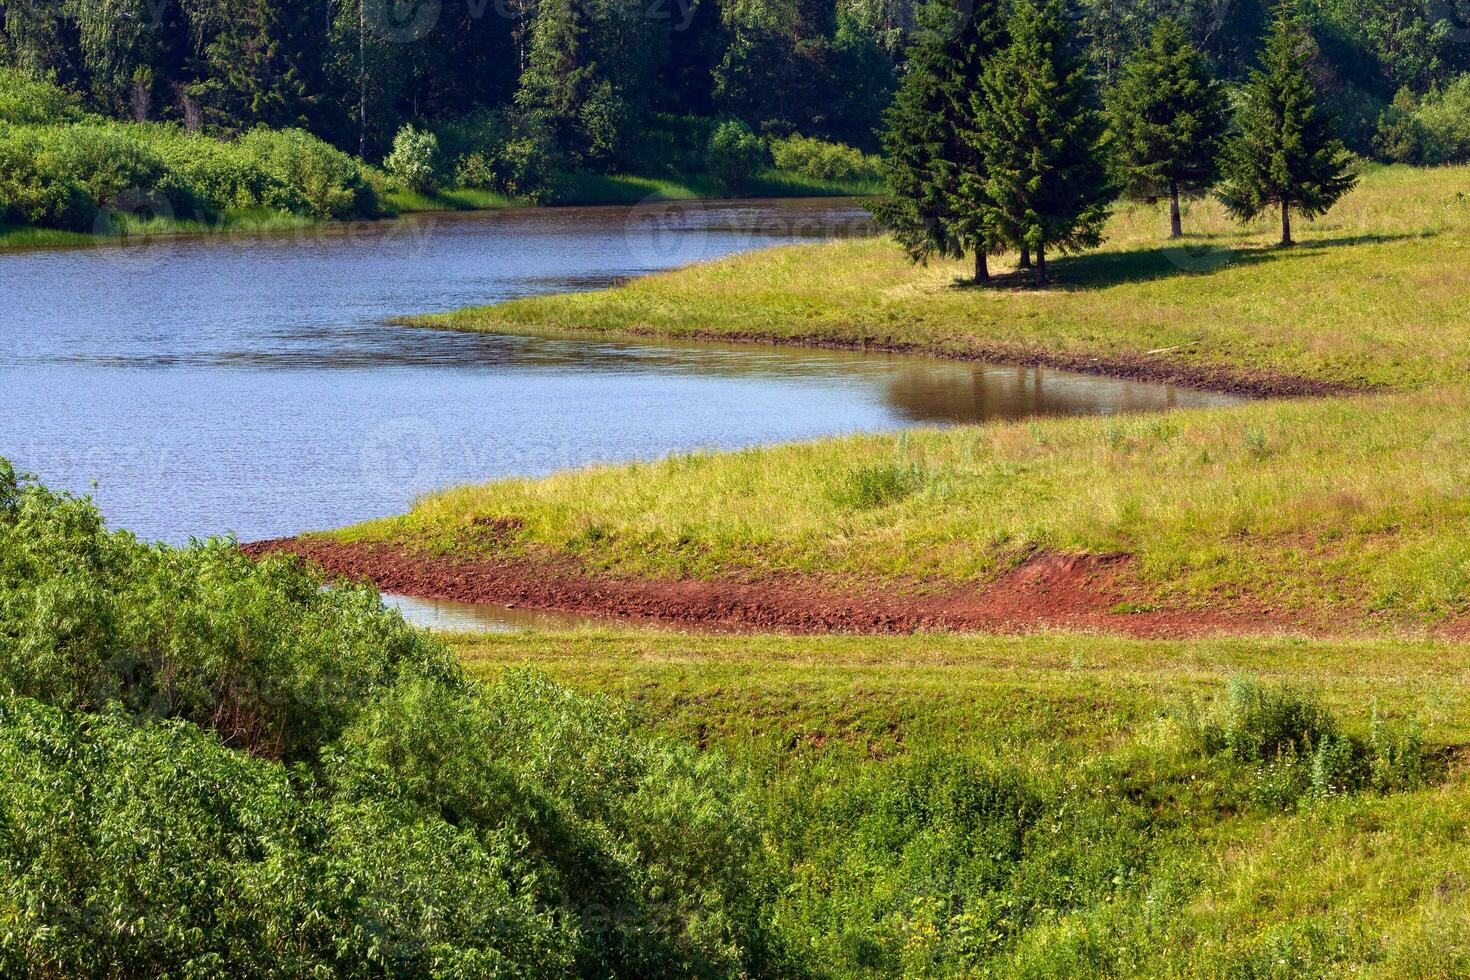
{"x": 1349, "y": 507}
{"x": 901, "y": 771}
{"x": 1377, "y": 294}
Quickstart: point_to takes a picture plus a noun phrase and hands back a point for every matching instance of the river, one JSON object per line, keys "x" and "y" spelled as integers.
{"x": 253, "y": 385}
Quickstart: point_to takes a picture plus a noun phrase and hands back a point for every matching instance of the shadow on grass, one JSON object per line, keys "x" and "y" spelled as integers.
{"x": 1188, "y": 256}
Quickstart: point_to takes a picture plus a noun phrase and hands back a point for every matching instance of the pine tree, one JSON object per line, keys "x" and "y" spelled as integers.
{"x": 1285, "y": 152}
{"x": 1045, "y": 184}
{"x": 255, "y": 71}
{"x": 926, "y": 207}
{"x": 1168, "y": 118}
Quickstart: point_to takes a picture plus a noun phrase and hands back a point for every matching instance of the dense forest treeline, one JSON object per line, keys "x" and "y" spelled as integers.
{"x": 608, "y": 85}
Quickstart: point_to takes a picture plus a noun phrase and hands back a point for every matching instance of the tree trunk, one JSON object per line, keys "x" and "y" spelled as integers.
{"x": 361, "y": 81}
{"x": 1041, "y": 265}
{"x": 1176, "y": 228}
{"x": 1286, "y": 224}
{"x": 982, "y": 267}
{"x": 1025, "y": 262}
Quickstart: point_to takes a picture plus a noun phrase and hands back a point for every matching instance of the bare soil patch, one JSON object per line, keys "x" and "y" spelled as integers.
{"x": 1048, "y": 591}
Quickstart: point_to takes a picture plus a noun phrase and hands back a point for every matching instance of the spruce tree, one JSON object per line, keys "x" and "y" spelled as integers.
{"x": 1168, "y": 117}
{"x": 929, "y": 206}
{"x": 1040, "y": 140}
{"x": 1285, "y": 151}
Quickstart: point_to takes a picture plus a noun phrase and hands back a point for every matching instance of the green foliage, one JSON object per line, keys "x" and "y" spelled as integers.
{"x": 932, "y": 168}
{"x": 735, "y": 154}
{"x": 1168, "y": 118}
{"x": 877, "y": 485}
{"x": 60, "y": 176}
{"x": 33, "y": 191}
{"x": 30, "y": 101}
{"x": 1285, "y": 151}
{"x": 304, "y": 175}
{"x": 1297, "y": 749}
{"x": 1044, "y": 185}
{"x": 1431, "y": 130}
{"x": 811, "y": 157}
{"x": 497, "y": 151}
{"x": 215, "y": 765}
{"x": 415, "y": 160}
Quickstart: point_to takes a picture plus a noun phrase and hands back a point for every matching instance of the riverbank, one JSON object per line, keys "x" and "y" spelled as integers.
{"x": 1329, "y": 516}
{"x": 858, "y": 743}
{"x": 1350, "y": 308}
{"x": 1325, "y": 516}
{"x": 571, "y": 190}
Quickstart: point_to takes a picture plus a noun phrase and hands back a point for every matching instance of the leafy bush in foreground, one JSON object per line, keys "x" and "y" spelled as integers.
{"x": 415, "y": 159}
{"x": 212, "y": 767}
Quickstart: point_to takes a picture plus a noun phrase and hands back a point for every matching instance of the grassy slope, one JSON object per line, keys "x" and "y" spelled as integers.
{"x": 1377, "y": 294}
{"x": 1365, "y": 883}
{"x": 1351, "y": 505}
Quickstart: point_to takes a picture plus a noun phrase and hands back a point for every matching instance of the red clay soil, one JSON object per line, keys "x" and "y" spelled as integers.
{"x": 1049, "y": 591}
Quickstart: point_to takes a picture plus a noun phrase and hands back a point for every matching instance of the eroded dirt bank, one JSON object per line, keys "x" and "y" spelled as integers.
{"x": 1047, "y": 592}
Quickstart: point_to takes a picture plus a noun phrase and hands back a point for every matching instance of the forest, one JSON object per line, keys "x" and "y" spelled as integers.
{"x": 515, "y": 88}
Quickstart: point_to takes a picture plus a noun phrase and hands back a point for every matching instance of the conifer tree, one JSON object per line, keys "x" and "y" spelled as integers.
{"x": 1045, "y": 185}
{"x": 1285, "y": 152}
{"x": 929, "y": 206}
{"x": 1168, "y": 118}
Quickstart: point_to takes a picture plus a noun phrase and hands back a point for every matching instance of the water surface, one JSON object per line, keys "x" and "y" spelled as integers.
{"x": 255, "y": 385}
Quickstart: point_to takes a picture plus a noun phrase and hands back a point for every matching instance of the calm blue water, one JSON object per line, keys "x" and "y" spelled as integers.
{"x": 254, "y": 386}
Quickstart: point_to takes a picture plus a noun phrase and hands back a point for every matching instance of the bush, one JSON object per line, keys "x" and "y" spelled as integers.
{"x": 32, "y": 192}
{"x": 494, "y": 151}
{"x": 415, "y": 159}
{"x": 822, "y": 160}
{"x": 1430, "y": 131}
{"x": 734, "y": 155}
{"x": 1296, "y": 747}
{"x": 103, "y": 159}
{"x": 304, "y": 175}
{"x": 30, "y": 101}
{"x": 208, "y": 761}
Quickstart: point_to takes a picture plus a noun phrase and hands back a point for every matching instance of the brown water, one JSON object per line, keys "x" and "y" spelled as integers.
{"x": 253, "y": 384}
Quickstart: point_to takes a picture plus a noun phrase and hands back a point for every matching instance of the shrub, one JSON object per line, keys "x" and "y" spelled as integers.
{"x": 386, "y": 816}
{"x": 1431, "y": 130}
{"x": 103, "y": 159}
{"x": 495, "y": 151}
{"x": 822, "y": 160}
{"x": 32, "y": 192}
{"x": 24, "y": 99}
{"x": 1296, "y": 748}
{"x": 734, "y": 155}
{"x": 415, "y": 159}
{"x": 304, "y": 175}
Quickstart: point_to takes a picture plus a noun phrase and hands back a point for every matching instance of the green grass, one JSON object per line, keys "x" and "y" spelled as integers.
{"x": 1377, "y": 294}
{"x": 629, "y": 189}
{"x": 1148, "y": 857}
{"x": 124, "y": 227}
{"x": 570, "y": 189}
{"x": 1350, "y": 510}
{"x": 405, "y": 201}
